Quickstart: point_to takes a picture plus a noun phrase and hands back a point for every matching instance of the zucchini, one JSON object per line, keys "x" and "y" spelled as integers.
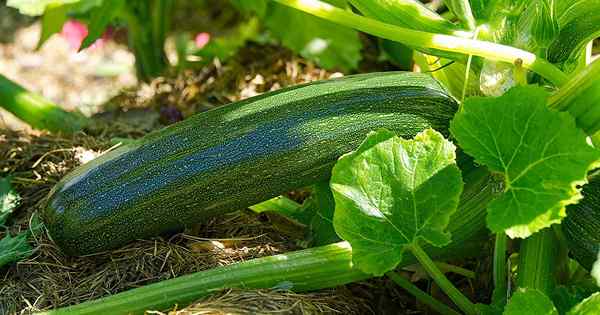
{"x": 582, "y": 225}
{"x": 235, "y": 156}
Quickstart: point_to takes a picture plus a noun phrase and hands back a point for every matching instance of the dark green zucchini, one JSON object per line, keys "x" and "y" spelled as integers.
{"x": 582, "y": 225}
{"x": 235, "y": 156}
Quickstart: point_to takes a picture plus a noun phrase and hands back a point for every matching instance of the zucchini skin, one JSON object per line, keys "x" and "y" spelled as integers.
{"x": 235, "y": 156}
{"x": 582, "y": 225}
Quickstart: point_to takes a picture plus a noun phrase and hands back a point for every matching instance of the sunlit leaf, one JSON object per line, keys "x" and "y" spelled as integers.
{"x": 589, "y": 306}
{"x": 529, "y": 302}
{"x": 36, "y": 7}
{"x": 542, "y": 155}
{"x": 392, "y": 192}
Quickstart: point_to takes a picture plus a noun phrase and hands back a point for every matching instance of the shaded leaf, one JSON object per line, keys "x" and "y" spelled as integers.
{"x": 13, "y": 249}
{"x": 9, "y": 199}
{"x": 327, "y": 43}
{"x": 392, "y": 192}
{"x": 101, "y": 18}
{"x": 321, "y": 225}
{"x": 540, "y": 152}
{"x": 566, "y": 297}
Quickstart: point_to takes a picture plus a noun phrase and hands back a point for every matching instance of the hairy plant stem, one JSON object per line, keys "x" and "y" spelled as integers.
{"x": 537, "y": 262}
{"x": 420, "y": 295}
{"x": 453, "y": 293}
{"x": 421, "y": 39}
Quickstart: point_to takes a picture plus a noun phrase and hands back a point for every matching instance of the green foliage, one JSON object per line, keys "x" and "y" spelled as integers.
{"x": 102, "y": 17}
{"x": 579, "y": 23}
{"x": 36, "y": 7}
{"x": 540, "y": 153}
{"x": 330, "y": 45}
{"x": 529, "y": 302}
{"x": 537, "y": 26}
{"x": 52, "y": 22}
{"x": 407, "y": 13}
{"x": 321, "y": 224}
{"x": 9, "y": 199}
{"x": 567, "y": 297}
{"x": 226, "y": 46}
{"x": 13, "y": 249}
{"x": 391, "y": 193}
{"x": 589, "y": 306}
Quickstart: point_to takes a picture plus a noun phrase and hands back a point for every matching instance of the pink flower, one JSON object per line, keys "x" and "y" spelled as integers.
{"x": 202, "y": 39}
{"x": 75, "y": 32}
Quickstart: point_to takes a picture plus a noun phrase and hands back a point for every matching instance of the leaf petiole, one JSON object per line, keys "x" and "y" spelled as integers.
{"x": 500, "y": 294}
{"x": 423, "y": 297}
{"x": 421, "y": 39}
{"x": 453, "y": 293}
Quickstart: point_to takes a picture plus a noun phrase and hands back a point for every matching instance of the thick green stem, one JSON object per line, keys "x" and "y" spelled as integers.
{"x": 148, "y": 23}
{"x": 537, "y": 262}
{"x": 315, "y": 268}
{"x": 442, "y": 42}
{"x": 420, "y": 295}
{"x": 37, "y": 111}
{"x": 500, "y": 274}
{"x": 407, "y": 13}
{"x": 580, "y": 96}
{"x": 436, "y": 274}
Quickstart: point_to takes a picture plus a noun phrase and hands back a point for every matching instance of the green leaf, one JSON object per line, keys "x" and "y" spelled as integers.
{"x": 566, "y": 297}
{"x": 540, "y": 152}
{"x": 406, "y": 13}
{"x": 35, "y": 7}
{"x": 391, "y": 193}
{"x": 52, "y": 22}
{"x": 537, "y": 26}
{"x": 9, "y": 199}
{"x": 101, "y": 18}
{"x": 226, "y": 46}
{"x": 280, "y": 204}
{"x": 589, "y": 306}
{"x": 327, "y": 43}
{"x": 579, "y": 24}
{"x": 321, "y": 225}
{"x": 13, "y": 249}
{"x": 528, "y": 302}
{"x": 258, "y": 7}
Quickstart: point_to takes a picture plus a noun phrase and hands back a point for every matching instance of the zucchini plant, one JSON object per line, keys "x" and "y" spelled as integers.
{"x": 428, "y": 177}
